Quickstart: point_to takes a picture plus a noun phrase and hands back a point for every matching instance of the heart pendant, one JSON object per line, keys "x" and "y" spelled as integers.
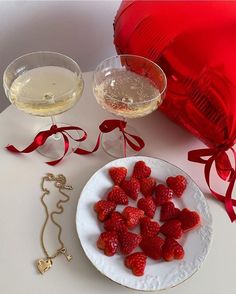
{"x": 44, "y": 265}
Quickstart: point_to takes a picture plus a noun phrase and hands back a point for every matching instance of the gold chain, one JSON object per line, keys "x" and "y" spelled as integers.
{"x": 44, "y": 265}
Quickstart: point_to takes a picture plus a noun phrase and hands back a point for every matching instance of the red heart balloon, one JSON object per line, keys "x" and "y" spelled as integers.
{"x": 195, "y": 44}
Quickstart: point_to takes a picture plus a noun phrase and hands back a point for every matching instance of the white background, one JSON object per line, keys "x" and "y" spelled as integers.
{"x": 81, "y": 29}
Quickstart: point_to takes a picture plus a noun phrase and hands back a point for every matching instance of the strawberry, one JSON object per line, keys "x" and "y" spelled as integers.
{"x": 104, "y": 208}
{"x": 132, "y": 216}
{"x": 147, "y": 186}
{"x": 177, "y": 184}
{"x": 189, "y": 219}
{"x": 163, "y": 194}
{"x": 147, "y": 205}
{"x": 141, "y": 170}
{"x": 172, "y": 250}
{"x": 131, "y": 187}
{"x": 108, "y": 242}
{"x": 136, "y": 262}
{"x": 128, "y": 241}
{"x": 118, "y": 196}
{"x": 152, "y": 246}
{"x": 117, "y": 174}
{"x": 172, "y": 228}
{"x": 149, "y": 227}
{"x": 168, "y": 211}
{"x": 115, "y": 223}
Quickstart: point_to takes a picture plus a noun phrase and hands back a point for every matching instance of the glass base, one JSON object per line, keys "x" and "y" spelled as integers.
{"x": 54, "y": 146}
{"x": 113, "y": 143}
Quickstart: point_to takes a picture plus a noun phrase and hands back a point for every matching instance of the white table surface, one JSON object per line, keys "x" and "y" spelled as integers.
{"x": 21, "y": 213}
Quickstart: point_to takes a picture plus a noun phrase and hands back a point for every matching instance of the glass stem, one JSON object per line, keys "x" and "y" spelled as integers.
{"x": 56, "y": 136}
{"x": 53, "y": 120}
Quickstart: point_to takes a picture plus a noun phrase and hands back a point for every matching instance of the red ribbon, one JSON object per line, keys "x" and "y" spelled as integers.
{"x": 224, "y": 170}
{"x": 41, "y": 138}
{"x": 110, "y": 125}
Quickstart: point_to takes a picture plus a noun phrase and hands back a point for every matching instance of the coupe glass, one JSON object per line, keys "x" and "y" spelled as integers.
{"x": 44, "y": 84}
{"x": 129, "y": 86}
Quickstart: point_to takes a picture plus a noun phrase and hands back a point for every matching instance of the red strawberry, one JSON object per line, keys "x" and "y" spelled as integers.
{"x": 189, "y": 219}
{"x": 108, "y": 242}
{"x": 168, "y": 211}
{"x": 147, "y": 205}
{"x": 177, "y": 184}
{"x": 118, "y": 196}
{"x": 115, "y": 223}
{"x": 172, "y": 229}
{"x": 104, "y": 208}
{"x": 152, "y": 247}
{"x": 141, "y": 170}
{"x": 117, "y": 174}
{"x": 148, "y": 227}
{"x": 128, "y": 242}
{"x": 172, "y": 250}
{"x": 163, "y": 194}
{"x": 131, "y": 187}
{"x": 132, "y": 216}
{"x": 136, "y": 262}
{"x": 147, "y": 186}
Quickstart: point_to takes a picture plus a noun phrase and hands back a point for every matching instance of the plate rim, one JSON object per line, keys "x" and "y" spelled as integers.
{"x": 210, "y": 221}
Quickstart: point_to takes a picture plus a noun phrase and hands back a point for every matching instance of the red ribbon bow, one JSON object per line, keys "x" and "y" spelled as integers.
{"x": 41, "y": 138}
{"x": 110, "y": 125}
{"x": 224, "y": 170}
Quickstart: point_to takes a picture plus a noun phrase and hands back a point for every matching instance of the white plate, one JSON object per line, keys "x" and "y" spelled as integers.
{"x": 158, "y": 274}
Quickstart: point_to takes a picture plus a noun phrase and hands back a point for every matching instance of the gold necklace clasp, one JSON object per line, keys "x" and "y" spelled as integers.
{"x": 64, "y": 252}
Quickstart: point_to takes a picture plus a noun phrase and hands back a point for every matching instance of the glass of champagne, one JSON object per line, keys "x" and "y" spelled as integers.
{"x": 129, "y": 86}
{"x": 44, "y": 84}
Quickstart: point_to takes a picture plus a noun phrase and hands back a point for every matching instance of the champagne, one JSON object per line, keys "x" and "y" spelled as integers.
{"x": 46, "y": 90}
{"x": 127, "y": 94}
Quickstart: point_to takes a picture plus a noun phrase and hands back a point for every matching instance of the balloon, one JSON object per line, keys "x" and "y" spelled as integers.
{"x": 195, "y": 44}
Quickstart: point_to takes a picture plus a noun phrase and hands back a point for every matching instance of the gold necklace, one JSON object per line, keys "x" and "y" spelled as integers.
{"x": 45, "y": 264}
